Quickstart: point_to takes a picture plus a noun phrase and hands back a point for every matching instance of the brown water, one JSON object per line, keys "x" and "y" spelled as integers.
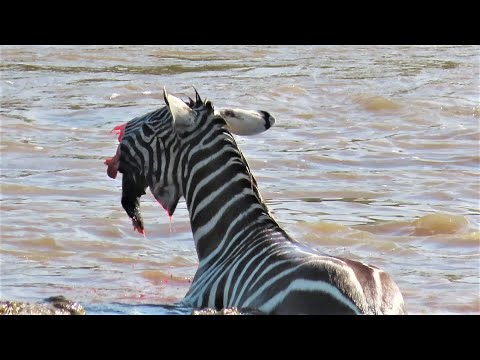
{"x": 375, "y": 156}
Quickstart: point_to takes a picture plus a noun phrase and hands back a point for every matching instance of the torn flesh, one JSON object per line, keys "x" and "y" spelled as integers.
{"x": 114, "y": 162}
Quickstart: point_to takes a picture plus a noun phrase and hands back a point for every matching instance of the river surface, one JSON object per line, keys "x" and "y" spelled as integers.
{"x": 374, "y": 157}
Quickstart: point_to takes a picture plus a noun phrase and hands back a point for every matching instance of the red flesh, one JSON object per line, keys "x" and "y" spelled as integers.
{"x": 113, "y": 163}
{"x": 119, "y": 129}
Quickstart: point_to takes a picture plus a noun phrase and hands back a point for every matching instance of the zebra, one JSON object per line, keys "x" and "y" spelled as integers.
{"x": 246, "y": 259}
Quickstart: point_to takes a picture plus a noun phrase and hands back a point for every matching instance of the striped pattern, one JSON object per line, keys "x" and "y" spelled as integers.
{"x": 246, "y": 259}
{"x": 144, "y": 142}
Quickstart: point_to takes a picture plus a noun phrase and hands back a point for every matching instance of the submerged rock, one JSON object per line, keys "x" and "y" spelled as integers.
{"x": 55, "y": 305}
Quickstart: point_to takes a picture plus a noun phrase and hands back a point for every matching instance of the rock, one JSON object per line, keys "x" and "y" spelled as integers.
{"x": 55, "y": 305}
{"x": 208, "y": 311}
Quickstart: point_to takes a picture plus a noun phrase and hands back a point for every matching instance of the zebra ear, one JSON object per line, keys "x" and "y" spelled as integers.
{"x": 198, "y": 99}
{"x": 183, "y": 116}
{"x": 246, "y": 122}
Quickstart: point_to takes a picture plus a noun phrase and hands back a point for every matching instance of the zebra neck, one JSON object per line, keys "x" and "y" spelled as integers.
{"x": 221, "y": 194}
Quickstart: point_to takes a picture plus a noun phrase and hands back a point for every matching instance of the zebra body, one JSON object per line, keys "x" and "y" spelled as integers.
{"x": 246, "y": 259}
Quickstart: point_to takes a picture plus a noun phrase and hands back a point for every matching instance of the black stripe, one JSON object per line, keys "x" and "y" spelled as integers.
{"x": 266, "y": 118}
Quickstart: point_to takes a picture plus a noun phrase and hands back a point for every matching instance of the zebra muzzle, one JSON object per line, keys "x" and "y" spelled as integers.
{"x": 132, "y": 209}
{"x": 132, "y": 189}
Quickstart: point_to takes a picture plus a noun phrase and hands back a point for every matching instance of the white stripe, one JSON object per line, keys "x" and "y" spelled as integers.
{"x": 163, "y": 163}
{"x": 170, "y": 166}
{"x": 357, "y": 289}
{"x": 202, "y": 146}
{"x": 278, "y": 250}
{"x": 274, "y": 265}
{"x": 240, "y": 276}
{"x": 213, "y": 292}
{"x": 208, "y": 178}
{"x": 209, "y": 274}
{"x": 225, "y": 267}
{"x": 256, "y": 243}
{"x": 220, "y": 246}
{"x": 184, "y": 152}
{"x": 205, "y": 229}
{"x": 203, "y": 163}
{"x": 155, "y": 159}
{"x": 213, "y": 195}
{"x": 197, "y": 131}
{"x": 142, "y": 149}
{"x": 214, "y": 268}
{"x": 312, "y": 286}
{"x": 268, "y": 283}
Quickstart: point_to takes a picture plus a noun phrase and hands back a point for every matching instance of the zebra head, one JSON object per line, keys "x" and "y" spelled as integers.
{"x": 153, "y": 147}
